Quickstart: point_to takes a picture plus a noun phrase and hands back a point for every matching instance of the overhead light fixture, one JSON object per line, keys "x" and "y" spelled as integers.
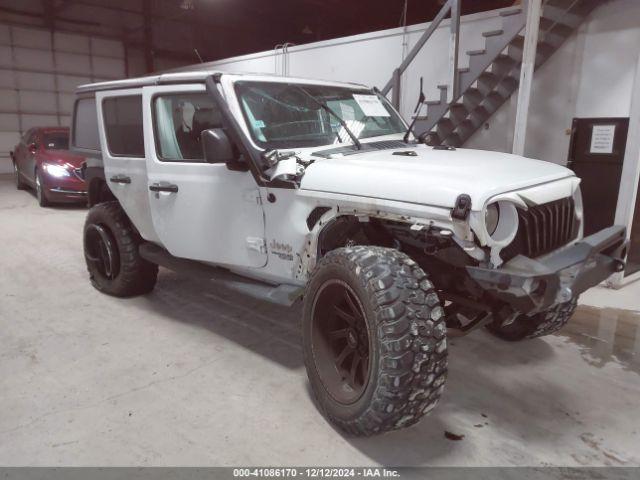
{"x": 187, "y": 5}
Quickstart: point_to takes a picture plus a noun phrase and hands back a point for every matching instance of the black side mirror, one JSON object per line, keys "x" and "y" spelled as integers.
{"x": 219, "y": 149}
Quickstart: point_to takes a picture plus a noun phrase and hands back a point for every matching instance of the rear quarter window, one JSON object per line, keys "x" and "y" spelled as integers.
{"x": 85, "y": 126}
{"x": 123, "y": 125}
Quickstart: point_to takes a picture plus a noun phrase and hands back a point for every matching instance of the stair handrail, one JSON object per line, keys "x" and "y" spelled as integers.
{"x": 453, "y": 7}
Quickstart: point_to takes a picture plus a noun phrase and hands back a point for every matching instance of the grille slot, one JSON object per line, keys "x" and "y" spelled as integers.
{"x": 543, "y": 228}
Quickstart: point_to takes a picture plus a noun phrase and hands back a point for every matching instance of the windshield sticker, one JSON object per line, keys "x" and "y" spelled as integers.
{"x": 348, "y": 112}
{"x": 258, "y": 124}
{"x": 371, "y": 105}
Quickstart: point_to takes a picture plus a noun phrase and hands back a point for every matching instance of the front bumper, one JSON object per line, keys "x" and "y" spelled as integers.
{"x": 529, "y": 286}
{"x": 70, "y": 189}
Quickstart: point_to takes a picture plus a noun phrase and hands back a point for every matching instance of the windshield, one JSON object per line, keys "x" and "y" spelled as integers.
{"x": 56, "y": 141}
{"x": 281, "y": 115}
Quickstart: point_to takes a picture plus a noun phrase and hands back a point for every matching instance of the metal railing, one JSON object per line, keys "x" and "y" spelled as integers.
{"x": 452, "y": 7}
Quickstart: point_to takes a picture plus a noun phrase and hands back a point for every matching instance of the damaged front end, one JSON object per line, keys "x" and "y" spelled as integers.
{"x": 529, "y": 285}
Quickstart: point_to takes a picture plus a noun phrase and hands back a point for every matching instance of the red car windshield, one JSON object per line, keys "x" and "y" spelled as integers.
{"x": 56, "y": 141}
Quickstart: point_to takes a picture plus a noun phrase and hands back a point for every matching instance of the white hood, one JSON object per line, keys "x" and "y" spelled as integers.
{"x": 433, "y": 177}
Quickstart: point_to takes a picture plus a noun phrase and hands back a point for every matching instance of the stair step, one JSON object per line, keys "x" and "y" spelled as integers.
{"x": 560, "y": 15}
{"x": 432, "y": 139}
{"x": 476, "y": 52}
{"x": 458, "y": 112}
{"x": 430, "y": 103}
{"x": 493, "y": 33}
{"x": 444, "y": 127}
{"x": 507, "y": 86}
{"x": 492, "y": 102}
{"x": 452, "y": 140}
{"x": 556, "y": 35}
{"x": 486, "y": 82}
{"x": 463, "y": 70}
{"x": 479, "y": 114}
{"x": 472, "y": 97}
{"x": 513, "y": 11}
{"x": 502, "y": 65}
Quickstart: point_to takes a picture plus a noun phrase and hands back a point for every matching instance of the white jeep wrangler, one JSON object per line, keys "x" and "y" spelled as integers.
{"x": 290, "y": 189}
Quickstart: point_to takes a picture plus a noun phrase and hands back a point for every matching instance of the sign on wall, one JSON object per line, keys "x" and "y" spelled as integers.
{"x": 602, "y": 137}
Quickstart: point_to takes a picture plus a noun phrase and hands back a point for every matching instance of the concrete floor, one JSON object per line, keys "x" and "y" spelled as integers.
{"x": 187, "y": 376}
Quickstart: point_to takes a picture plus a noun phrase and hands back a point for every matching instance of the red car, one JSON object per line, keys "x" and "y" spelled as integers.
{"x": 43, "y": 162}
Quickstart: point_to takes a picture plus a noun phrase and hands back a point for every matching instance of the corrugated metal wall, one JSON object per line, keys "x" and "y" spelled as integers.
{"x": 39, "y": 71}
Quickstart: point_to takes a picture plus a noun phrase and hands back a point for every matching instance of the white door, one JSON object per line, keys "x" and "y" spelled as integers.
{"x": 122, "y": 143}
{"x": 201, "y": 211}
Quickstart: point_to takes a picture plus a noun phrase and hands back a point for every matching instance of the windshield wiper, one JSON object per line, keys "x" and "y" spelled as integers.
{"x": 326, "y": 108}
{"x": 416, "y": 111}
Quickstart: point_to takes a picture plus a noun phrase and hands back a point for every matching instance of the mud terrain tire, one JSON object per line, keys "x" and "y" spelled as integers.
{"x": 402, "y": 329}
{"x": 539, "y": 325}
{"x": 111, "y": 253}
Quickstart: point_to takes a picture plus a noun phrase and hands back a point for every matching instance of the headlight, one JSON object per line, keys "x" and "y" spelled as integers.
{"x": 57, "y": 171}
{"x": 501, "y": 221}
{"x": 491, "y": 218}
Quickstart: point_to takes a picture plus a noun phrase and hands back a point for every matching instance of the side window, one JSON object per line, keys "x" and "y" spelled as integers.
{"x": 85, "y": 125}
{"x": 32, "y": 138}
{"x": 27, "y": 138}
{"x": 179, "y": 119}
{"x": 123, "y": 125}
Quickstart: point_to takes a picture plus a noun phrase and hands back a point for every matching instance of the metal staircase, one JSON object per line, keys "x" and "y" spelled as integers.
{"x": 493, "y": 72}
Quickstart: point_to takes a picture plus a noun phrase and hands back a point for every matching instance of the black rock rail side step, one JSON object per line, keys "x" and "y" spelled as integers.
{"x": 283, "y": 294}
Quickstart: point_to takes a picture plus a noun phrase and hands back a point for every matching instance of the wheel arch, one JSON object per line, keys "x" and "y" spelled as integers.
{"x": 98, "y": 191}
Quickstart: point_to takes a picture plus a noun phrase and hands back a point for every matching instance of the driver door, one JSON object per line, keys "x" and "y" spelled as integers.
{"x": 201, "y": 211}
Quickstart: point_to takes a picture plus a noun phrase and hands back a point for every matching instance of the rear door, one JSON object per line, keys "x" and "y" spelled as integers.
{"x": 122, "y": 143}
{"x": 201, "y": 211}
{"x": 20, "y": 152}
{"x": 29, "y": 156}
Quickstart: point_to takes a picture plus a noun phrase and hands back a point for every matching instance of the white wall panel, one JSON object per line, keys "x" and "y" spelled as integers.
{"x": 65, "y": 103}
{"x": 35, "y": 81}
{"x": 5, "y": 56}
{"x": 29, "y": 121}
{"x": 30, "y": 37}
{"x": 65, "y": 120}
{"x": 29, "y": 58}
{"x": 38, "y": 76}
{"x": 68, "y": 83}
{"x": 8, "y": 140}
{"x": 7, "y": 79}
{"x": 5, "y": 36}
{"x": 73, "y": 62}
{"x": 107, "y": 48}
{"x": 8, "y": 100}
{"x": 9, "y": 122}
{"x": 109, "y": 67}
{"x": 33, "y": 101}
{"x": 68, "y": 42}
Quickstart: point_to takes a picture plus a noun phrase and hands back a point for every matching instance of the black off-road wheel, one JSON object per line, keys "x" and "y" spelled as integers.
{"x": 41, "y": 194}
{"x": 20, "y": 185}
{"x": 374, "y": 340}
{"x": 111, "y": 253}
{"x": 538, "y": 325}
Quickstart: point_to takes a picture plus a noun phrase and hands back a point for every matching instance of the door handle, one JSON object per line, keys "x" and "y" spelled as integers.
{"x": 120, "y": 179}
{"x": 164, "y": 187}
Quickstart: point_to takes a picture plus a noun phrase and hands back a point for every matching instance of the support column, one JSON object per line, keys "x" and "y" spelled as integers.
{"x": 630, "y": 177}
{"x": 454, "y": 40}
{"x": 534, "y": 8}
{"x": 148, "y": 36}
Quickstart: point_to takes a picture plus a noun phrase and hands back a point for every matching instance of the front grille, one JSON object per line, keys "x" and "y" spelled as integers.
{"x": 543, "y": 228}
